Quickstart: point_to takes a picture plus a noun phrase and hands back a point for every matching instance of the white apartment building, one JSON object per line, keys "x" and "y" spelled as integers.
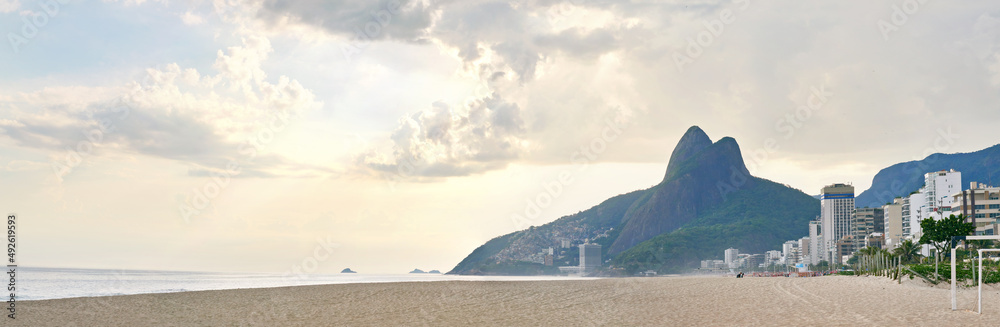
{"x": 937, "y": 193}
{"x": 916, "y": 211}
{"x": 815, "y": 242}
{"x": 790, "y": 252}
{"x": 938, "y": 188}
{"x": 731, "y": 257}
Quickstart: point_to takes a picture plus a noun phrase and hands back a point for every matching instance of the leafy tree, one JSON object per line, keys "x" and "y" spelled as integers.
{"x": 908, "y": 252}
{"x": 939, "y": 232}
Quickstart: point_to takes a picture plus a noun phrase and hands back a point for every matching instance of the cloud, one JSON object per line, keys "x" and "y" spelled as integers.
{"x": 7, "y": 6}
{"x": 563, "y": 64}
{"x": 393, "y": 19}
{"x": 172, "y": 113}
{"x": 190, "y": 18}
{"x": 444, "y": 141}
{"x": 26, "y": 165}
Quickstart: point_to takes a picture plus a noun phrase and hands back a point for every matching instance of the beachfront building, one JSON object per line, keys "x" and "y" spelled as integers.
{"x": 713, "y": 264}
{"x": 844, "y": 249}
{"x": 804, "y": 244}
{"x": 590, "y": 257}
{"x": 836, "y": 208}
{"x": 914, "y": 210}
{"x": 753, "y": 261}
{"x": 815, "y": 242}
{"x": 875, "y": 240}
{"x": 938, "y": 188}
{"x": 790, "y": 252}
{"x": 773, "y": 257}
{"x": 936, "y": 193}
{"x": 930, "y": 201}
{"x": 893, "y": 214}
{"x": 867, "y": 221}
{"x": 981, "y": 206}
{"x": 731, "y": 257}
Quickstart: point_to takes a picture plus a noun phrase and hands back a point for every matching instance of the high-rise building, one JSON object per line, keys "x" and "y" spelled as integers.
{"x": 836, "y": 206}
{"x": 875, "y": 240}
{"x": 938, "y": 188}
{"x": 844, "y": 249}
{"x": 590, "y": 257}
{"x": 773, "y": 256}
{"x": 866, "y": 222}
{"x": 980, "y": 204}
{"x": 731, "y": 256}
{"x": 804, "y": 251}
{"x": 936, "y": 192}
{"x": 917, "y": 212}
{"x": 893, "y": 223}
{"x": 815, "y": 242}
{"x": 790, "y": 252}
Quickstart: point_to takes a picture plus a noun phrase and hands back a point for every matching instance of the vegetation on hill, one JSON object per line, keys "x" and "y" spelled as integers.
{"x": 707, "y": 202}
{"x": 903, "y": 178}
{"x": 750, "y": 220}
{"x": 604, "y": 216}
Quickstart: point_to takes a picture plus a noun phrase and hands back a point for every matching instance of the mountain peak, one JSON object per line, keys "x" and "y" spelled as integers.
{"x": 700, "y": 176}
{"x": 693, "y": 141}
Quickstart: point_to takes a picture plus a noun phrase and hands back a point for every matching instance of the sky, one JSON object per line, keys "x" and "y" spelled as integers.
{"x": 273, "y": 135}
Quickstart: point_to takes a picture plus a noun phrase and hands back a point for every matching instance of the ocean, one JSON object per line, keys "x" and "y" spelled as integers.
{"x": 59, "y": 283}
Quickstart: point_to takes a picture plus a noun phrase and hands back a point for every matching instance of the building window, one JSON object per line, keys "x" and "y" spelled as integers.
{"x": 980, "y": 207}
{"x": 995, "y": 206}
{"x": 994, "y": 215}
{"x": 980, "y": 215}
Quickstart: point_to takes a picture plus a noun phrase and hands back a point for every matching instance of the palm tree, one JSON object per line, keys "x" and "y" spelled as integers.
{"x": 908, "y": 252}
{"x": 870, "y": 250}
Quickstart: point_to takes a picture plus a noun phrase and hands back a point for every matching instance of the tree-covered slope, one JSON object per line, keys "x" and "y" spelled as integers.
{"x": 754, "y": 219}
{"x": 706, "y": 202}
{"x": 689, "y": 188}
{"x": 900, "y": 179}
{"x": 602, "y": 217}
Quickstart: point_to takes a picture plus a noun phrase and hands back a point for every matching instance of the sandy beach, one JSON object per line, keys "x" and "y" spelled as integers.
{"x": 660, "y": 301}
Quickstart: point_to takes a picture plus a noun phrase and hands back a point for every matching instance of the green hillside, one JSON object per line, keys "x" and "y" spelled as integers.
{"x": 754, "y": 219}
{"x": 982, "y": 166}
{"x": 602, "y": 217}
{"x": 706, "y": 202}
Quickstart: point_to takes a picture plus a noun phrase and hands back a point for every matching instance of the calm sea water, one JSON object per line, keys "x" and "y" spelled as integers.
{"x": 58, "y": 283}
